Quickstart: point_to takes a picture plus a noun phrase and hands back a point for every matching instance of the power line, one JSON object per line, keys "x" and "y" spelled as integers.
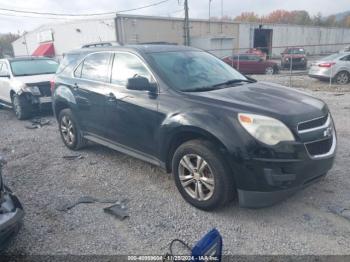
{"x": 79, "y": 15}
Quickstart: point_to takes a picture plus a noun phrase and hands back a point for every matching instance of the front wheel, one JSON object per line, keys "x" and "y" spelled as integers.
{"x": 202, "y": 176}
{"x": 21, "y": 107}
{"x": 70, "y": 131}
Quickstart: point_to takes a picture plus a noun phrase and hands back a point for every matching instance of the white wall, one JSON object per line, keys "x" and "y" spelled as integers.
{"x": 67, "y": 36}
{"x": 294, "y": 35}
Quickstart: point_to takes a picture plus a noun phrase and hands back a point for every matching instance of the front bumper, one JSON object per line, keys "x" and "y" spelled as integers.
{"x": 11, "y": 218}
{"x": 264, "y": 181}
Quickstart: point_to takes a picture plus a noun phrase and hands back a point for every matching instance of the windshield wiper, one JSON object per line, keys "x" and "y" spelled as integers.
{"x": 200, "y": 89}
{"x": 233, "y": 81}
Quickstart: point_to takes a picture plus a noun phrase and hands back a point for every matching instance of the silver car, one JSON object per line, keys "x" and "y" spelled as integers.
{"x": 336, "y": 66}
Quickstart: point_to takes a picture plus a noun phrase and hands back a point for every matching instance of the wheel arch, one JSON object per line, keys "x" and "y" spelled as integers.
{"x": 184, "y": 134}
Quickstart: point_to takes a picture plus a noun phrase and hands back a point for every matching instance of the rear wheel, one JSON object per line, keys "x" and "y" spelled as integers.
{"x": 202, "y": 176}
{"x": 70, "y": 131}
{"x": 21, "y": 107}
{"x": 342, "y": 78}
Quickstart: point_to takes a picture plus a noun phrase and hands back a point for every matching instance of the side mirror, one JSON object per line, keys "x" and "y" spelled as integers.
{"x": 140, "y": 83}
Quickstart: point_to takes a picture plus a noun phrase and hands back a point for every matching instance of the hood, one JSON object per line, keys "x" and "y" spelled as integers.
{"x": 34, "y": 78}
{"x": 294, "y": 56}
{"x": 269, "y": 99}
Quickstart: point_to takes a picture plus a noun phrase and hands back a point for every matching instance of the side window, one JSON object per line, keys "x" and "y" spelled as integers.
{"x": 96, "y": 67}
{"x": 127, "y": 66}
{"x": 346, "y": 58}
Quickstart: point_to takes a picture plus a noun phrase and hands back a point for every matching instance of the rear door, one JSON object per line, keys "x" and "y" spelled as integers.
{"x": 90, "y": 87}
{"x": 131, "y": 117}
{"x": 242, "y": 64}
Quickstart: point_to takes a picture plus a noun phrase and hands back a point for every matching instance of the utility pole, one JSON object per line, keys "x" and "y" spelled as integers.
{"x": 209, "y": 16}
{"x": 186, "y": 25}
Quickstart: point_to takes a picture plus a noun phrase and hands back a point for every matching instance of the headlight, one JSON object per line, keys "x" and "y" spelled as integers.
{"x": 287, "y": 59}
{"x": 265, "y": 129}
{"x": 32, "y": 89}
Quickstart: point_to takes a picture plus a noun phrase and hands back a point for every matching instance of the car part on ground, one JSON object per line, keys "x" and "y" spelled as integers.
{"x": 11, "y": 212}
{"x": 117, "y": 210}
{"x": 181, "y": 109}
{"x": 335, "y": 67}
{"x": 38, "y": 123}
{"x": 84, "y": 200}
{"x": 25, "y": 84}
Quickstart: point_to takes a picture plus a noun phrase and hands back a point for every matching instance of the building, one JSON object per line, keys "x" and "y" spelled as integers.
{"x": 220, "y": 38}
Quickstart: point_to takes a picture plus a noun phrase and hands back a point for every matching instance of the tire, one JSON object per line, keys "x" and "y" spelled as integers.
{"x": 70, "y": 131}
{"x": 21, "y": 107}
{"x": 269, "y": 70}
{"x": 215, "y": 181}
{"x": 342, "y": 78}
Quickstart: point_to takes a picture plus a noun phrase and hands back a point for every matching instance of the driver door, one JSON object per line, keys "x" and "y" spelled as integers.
{"x": 131, "y": 114}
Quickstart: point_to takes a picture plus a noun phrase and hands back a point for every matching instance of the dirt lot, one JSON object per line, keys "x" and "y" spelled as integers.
{"x": 311, "y": 222}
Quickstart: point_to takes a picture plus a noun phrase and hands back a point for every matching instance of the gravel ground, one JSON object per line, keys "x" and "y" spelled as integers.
{"x": 43, "y": 180}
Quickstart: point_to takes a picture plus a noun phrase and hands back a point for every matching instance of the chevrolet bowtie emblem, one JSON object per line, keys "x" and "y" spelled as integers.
{"x": 327, "y": 132}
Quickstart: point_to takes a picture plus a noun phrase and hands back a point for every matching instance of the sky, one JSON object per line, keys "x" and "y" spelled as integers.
{"x": 197, "y": 9}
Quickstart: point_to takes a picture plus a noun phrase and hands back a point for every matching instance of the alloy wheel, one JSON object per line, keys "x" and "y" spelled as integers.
{"x": 196, "y": 177}
{"x": 68, "y": 130}
{"x": 342, "y": 78}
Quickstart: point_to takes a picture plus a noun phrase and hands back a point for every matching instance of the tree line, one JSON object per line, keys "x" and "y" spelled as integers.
{"x": 297, "y": 17}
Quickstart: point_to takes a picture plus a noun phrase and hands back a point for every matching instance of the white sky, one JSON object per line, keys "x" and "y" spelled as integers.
{"x": 197, "y": 8}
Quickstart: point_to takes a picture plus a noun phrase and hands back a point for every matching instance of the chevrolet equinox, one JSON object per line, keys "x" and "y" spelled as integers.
{"x": 219, "y": 132}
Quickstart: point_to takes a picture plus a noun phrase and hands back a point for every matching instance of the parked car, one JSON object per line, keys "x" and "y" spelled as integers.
{"x": 257, "y": 52}
{"x": 251, "y": 64}
{"x": 336, "y": 66}
{"x": 346, "y": 49}
{"x": 25, "y": 84}
{"x": 11, "y": 213}
{"x": 187, "y": 111}
{"x": 295, "y": 56}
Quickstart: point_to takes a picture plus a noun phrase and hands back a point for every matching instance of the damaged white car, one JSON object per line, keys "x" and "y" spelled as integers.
{"x": 25, "y": 84}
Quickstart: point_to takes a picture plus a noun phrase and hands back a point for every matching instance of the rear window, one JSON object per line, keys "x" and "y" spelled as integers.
{"x": 33, "y": 67}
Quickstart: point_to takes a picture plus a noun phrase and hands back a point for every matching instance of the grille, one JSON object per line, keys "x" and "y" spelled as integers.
{"x": 44, "y": 88}
{"x": 296, "y": 59}
{"x": 319, "y": 147}
{"x": 312, "y": 123}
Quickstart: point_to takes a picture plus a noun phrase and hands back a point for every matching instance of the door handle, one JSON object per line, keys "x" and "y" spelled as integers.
{"x": 111, "y": 97}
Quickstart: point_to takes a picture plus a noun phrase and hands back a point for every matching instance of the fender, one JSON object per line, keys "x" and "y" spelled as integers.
{"x": 62, "y": 97}
{"x": 219, "y": 129}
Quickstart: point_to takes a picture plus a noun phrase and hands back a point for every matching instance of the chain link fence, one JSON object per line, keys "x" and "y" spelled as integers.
{"x": 291, "y": 63}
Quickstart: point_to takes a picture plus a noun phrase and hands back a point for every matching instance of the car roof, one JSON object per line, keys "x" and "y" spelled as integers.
{"x": 151, "y": 48}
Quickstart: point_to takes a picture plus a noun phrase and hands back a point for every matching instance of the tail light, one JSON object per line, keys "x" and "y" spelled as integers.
{"x": 326, "y": 64}
{"x": 52, "y": 85}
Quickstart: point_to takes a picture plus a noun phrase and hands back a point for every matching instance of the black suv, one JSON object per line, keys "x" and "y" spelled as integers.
{"x": 183, "y": 109}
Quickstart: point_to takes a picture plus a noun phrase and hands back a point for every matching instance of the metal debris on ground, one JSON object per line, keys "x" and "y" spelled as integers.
{"x": 38, "y": 123}
{"x": 340, "y": 211}
{"x": 73, "y": 157}
{"x": 119, "y": 210}
{"x": 84, "y": 200}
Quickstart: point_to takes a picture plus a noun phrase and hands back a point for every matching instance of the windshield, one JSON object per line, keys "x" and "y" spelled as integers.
{"x": 33, "y": 67}
{"x": 296, "y": 51}
{"x": 194, "y": 70}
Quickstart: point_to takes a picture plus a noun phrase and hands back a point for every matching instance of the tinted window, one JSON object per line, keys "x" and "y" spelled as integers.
{"x": 95, "y": 67}
{"x": 68, "y": 60}
{"x": 346, "y": 58}
{"x": 127, "y": 66}
{"x": 33, "y": 67}
{"x": 188, "y": 70}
